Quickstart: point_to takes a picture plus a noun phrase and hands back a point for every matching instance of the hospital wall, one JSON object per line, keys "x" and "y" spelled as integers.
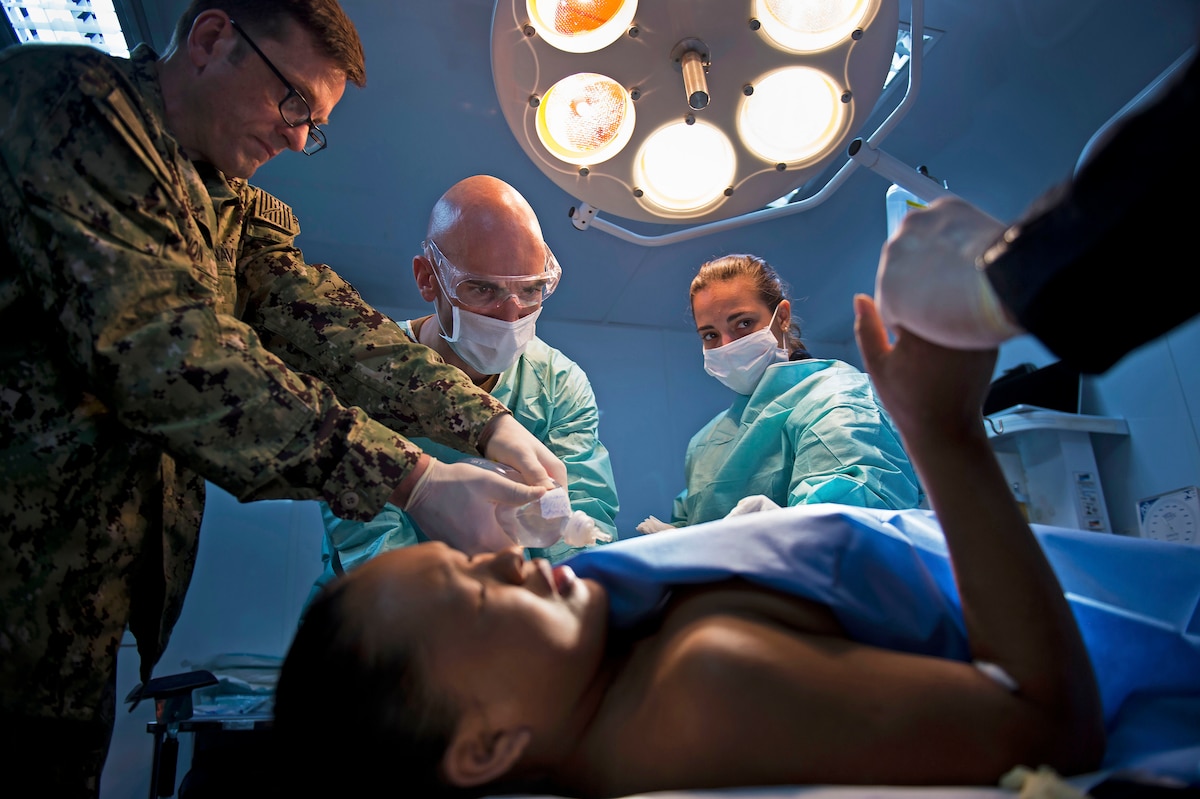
{"x": 257, "y": 560}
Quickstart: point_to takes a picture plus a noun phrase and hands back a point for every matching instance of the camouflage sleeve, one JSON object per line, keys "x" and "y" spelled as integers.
{"x": 113, "y": 232}
{"x": 318, "y": 323}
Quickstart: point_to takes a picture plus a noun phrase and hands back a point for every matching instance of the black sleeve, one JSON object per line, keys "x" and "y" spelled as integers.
{"x": 1103, "y": 264}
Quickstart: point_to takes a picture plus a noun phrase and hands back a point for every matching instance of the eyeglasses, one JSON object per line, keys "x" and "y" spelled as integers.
{"x": 293, "y": 107}
{"x": 488, "y": 292}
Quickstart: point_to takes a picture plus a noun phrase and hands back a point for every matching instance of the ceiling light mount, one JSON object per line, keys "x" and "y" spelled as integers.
{"x": 690, "y": 56}
{"x": 790, "y": 92}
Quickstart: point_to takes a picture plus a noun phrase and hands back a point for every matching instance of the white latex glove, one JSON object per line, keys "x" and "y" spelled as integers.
{"x": 752, "y": 504}
{"x": 928, "y": 281}
{"x": 457, "y": 503}
{"x": 513, "y": 445}
{"x": 653, "y": 524}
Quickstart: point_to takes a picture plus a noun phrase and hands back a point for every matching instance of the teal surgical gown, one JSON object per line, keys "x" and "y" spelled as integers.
{"x": 550, "y": 395}
{"x": 812, "y": 431}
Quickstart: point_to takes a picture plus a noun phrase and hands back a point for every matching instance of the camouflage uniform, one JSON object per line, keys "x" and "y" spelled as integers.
{"x": 163, "y": 329}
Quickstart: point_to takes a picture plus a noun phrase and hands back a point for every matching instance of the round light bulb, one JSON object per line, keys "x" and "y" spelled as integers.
{"x": 794, "y": 116}
{"x": 581, "y": 26}
{"x": 585, "y": 118}
{"x": 806, "y": 26}
{"x": 684, "y": 168}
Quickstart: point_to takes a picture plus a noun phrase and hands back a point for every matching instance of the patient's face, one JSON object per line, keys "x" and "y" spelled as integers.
{"x": 489, "y": 626}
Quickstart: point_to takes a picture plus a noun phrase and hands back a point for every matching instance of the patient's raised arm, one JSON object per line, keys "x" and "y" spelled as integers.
{"x": 1014, "y": 609}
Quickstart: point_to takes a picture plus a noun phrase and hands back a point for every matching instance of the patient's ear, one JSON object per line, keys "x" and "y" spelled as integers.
{"x": 480, "y": 754}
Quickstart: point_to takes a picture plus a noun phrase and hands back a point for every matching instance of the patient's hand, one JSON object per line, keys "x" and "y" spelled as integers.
{"x": 925, "y": 387}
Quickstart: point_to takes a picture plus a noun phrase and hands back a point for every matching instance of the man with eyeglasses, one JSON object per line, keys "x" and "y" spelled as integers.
{"x": 487, "y": 271}
{"x": 164, "y": 330}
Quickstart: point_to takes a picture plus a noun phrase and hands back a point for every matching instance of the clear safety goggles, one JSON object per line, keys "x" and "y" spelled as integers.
{"x": 487, "y": 292}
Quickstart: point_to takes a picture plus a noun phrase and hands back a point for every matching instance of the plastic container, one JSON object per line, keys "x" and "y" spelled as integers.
{"x": 544, "y": 521}
{"x": 899, "y": 201}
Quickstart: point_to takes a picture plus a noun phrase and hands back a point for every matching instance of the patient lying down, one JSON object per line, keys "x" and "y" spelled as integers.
{"x": 493, "y": 674}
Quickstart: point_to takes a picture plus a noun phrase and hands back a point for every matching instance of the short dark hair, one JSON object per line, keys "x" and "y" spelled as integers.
{"x": 335, "y": 34}
{"x": 345, "y": 688}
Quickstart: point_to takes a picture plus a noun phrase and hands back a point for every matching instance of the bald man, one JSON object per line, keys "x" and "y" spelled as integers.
{"x": 487, "y": 270}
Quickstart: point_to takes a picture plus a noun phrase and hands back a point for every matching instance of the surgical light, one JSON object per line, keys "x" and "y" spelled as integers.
{"x": 580, "y": 26}
{"x": 688, "y": 111}
{"x": 806, "y": 26}
{"x": 794, "y": 116}
{"x": 665, "y": 170}
{"x": 585, "y": 118}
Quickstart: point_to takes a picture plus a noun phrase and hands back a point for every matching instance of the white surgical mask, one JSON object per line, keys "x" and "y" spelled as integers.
{"x": 488, "y": 345}
{"x": 740, "y": 364}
